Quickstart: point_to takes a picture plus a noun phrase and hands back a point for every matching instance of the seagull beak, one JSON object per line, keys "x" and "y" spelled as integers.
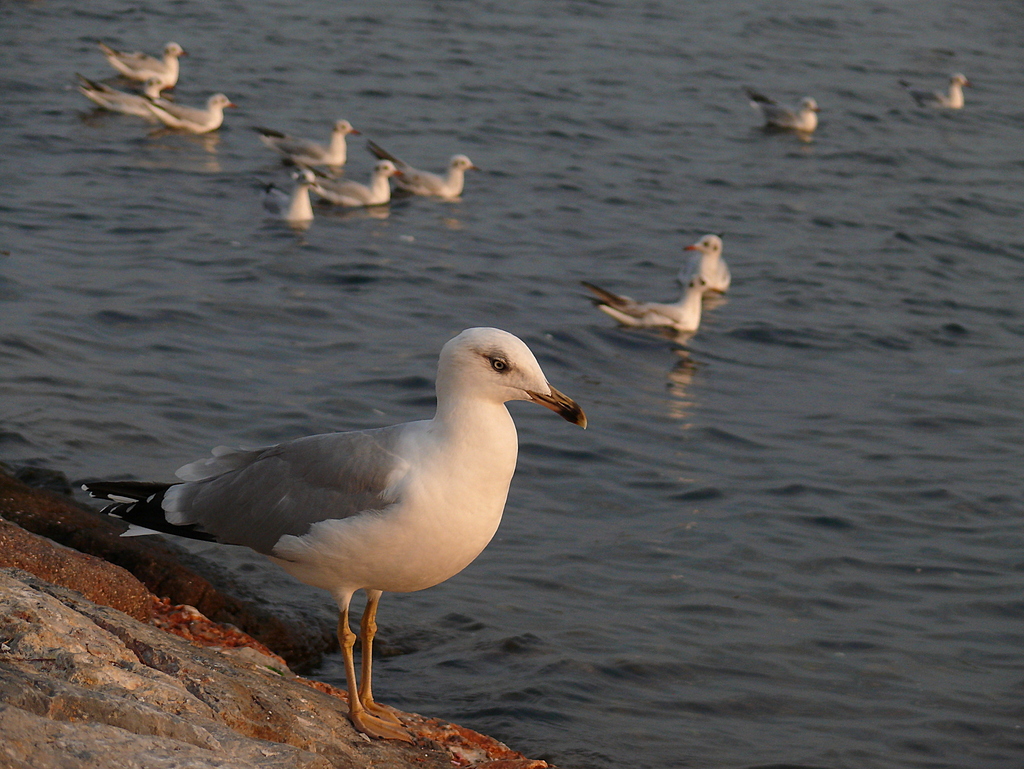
{"x": 694, "y": 247}
{"x": 355, "y": 132}
{"x": 562, "y": 405}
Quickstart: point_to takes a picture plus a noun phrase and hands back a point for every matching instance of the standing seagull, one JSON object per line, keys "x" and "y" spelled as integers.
{"x": 953, "y": 100}
{"x": 354, "y": 194}
{"x": 121, "y": 101}
{"x": 308, "y": 153}
{"x": 418, "y": 182}
{"x": 191, "y": 119}
{"x": 399, "y": 508}
{"x": 138, "y": 66}
{"x": 713, "y": 269}
{"x": 803, "y": 119}
{"x": 682, "y": 316}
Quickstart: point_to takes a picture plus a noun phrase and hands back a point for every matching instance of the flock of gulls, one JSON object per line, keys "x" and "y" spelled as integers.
{"x": 398, "y": 508}
{"x": 316, "y": 166}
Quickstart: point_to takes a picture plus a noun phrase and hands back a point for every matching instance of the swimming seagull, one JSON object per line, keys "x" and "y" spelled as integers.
{"x": 294, "y": 208}
{"x": 418, "y": 182}
{"x": 191, "y": 119}
{"x": 713, "y": 268}
{"x": 803, "y": 119}
{"x": 953, "y": 100}
{"x": 309, "y": 153}
{"x": 398, "y": 508}
{"x": 682, "y": 316}
{"x": 353, "y": 194}
{"x": 138, "y": 66}
{"x": 121, "y": 101}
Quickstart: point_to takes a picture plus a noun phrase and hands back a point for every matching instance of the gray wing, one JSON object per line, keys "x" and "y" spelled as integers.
{"x": 779, "y": 116}
{"x": 190, "y": 114}
{"x": 254, "y": 498}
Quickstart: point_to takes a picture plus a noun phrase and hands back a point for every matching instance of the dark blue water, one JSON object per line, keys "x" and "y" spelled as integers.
{"x": 796, "y": 541}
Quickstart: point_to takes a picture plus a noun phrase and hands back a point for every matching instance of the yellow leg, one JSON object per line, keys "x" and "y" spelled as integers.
{"x": 368, "y": 629}
{"x": 363, "y": 721}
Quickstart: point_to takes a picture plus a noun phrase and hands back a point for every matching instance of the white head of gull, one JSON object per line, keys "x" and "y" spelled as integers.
{"x": 398, "y": 508}
{"x": 713, "y": 268}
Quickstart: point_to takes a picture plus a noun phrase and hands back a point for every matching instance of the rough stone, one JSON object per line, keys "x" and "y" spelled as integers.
{"x": 86, "y": 686}
{"x": 96, "y": 579}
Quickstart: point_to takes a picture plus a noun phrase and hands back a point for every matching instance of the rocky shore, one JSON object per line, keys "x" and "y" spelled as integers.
{"x": 114, "y": 654}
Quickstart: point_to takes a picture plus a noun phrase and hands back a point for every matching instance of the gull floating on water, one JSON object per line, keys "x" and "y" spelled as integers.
{"x": 136, "y": 65}
{"x": 191, "y": 119}
{"x": 419, "y": 182}
{"x": 309, "y": 153}
{"x": 803, "y": 118}
{"x": 353, "y": 194}
{"x": 953, "y": 100}
{"x": 395, "y": 509}
{"x": 294, "y": 208}
{"x": 713, "y": 268}
{"x": 121, "y": 101}
{"x": 682, "y": 316}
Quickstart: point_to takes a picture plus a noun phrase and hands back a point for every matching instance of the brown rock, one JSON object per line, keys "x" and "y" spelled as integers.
{"x": 97, "y": 580}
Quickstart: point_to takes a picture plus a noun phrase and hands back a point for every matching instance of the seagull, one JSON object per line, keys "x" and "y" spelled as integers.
{"x": 953, "y": 100}
{"x": 138, "y": 66}
{"x": 294, "y": 208}
{"x": 353, "y": 194}
{"x": 713, "y": 268}
{"x": 121, "y": 101}
{"x": 396, "y": 509}
{"x": 803, "y": 119}
{"x": 308, "y": 153}
{"x": 418, "y": 182}
{"x": 197, "y": 121}
{"x": 683, "y": 316}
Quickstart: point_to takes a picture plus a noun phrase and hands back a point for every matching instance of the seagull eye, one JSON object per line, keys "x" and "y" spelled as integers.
{"x": 498, "y": 364}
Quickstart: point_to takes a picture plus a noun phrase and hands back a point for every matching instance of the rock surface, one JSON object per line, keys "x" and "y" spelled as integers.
{"x": 98, "y": 580}
{"x": 86, "y": 686}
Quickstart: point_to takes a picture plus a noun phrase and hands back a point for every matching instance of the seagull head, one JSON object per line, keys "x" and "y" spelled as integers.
{"x": 462, "y": 163}
{"x": 219, "y": 100}
{"x": 173, "y": 49}
{"x": 386, "y": 168}
{"x": 344, "y": 127}
{"x": 709, "y": 244}
{"x": 959, "y": 79}
{"x": 808, "y": 103}
{"x": 494, "y": 365}
{"x": 153, "y": 87}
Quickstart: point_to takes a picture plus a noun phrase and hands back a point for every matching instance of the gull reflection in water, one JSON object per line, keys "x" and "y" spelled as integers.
{"x": 366, "y": 212}
{"x": 680, "y": 376}
{"x": 207, "y": 142}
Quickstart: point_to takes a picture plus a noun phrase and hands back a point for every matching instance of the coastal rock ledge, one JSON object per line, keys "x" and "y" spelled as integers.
{"x": 87, "y": 686}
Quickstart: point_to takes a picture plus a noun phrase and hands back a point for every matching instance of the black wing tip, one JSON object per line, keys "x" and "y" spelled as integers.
{"x": 379, "y": 152}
